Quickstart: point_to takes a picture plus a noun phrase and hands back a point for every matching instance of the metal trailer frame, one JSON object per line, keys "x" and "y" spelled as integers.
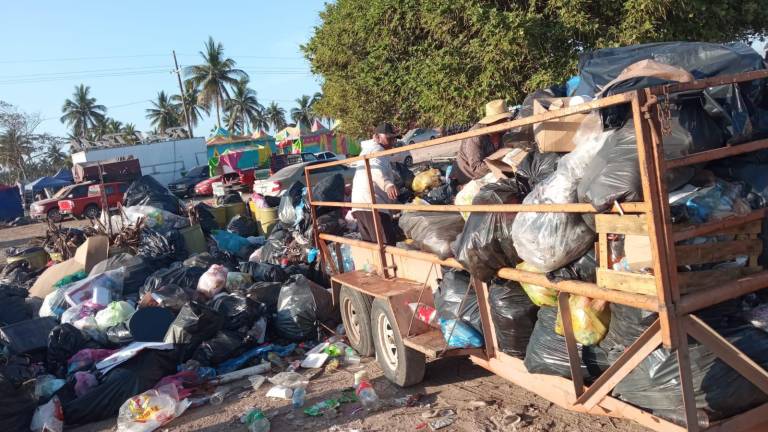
{"x": 662, "y": 291}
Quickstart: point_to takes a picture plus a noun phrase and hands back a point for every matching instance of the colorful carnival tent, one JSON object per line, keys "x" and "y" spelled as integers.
{"x": 238, "y": 151}
{"x": 243, "y": 158}
{"x": 295, "y": 139}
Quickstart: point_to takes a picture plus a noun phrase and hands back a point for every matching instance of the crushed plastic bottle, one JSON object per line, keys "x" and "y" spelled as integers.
{"x": 351, "y": 357}
{"x": 217, "y": 398}
{"x": 297, "y": 399}
{"x": 367, "y": 395}
{"x": 255, "y": 421}
{"x": 256, "y": 381}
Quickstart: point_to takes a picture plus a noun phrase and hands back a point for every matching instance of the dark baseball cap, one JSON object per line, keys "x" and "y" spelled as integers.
{"x": 386, "y": 129}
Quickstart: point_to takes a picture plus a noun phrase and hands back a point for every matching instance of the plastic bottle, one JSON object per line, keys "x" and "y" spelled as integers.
{"x": 351, "y": 357}
{"x": 217, "y": 398}
{"x": 367, "y": 395}
{"x": 298, "y": 397}
{"x": 256, "y": 421}
{"x": 424, "y": 313}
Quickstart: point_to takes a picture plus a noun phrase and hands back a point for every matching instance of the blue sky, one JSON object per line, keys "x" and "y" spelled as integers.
{"x": 122, "y": 50}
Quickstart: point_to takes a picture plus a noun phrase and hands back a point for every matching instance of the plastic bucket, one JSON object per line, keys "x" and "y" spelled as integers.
{"x": 37, "y": 259}
{"x": 220, "y": 214}
{"x": 193, "y": 239}
{"x": 254, "y": 210}
{"x": 266, "y": 218}
{"x": 233, "y": 210}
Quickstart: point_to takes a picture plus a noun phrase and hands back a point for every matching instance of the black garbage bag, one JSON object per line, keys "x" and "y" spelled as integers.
{"x": 195, "y": 323}
{"x": 149, "y": 192}
{"x": 223, "y": 346}
{"x": 242, "y": 226}
{"x": 238, "y": 309}
{"x": 129, "y": 379}
{"x": 119, "y": 335}
{"x": 450, "y": 291}
{"x": 534, "y": 169}
{"x": 432, "y": 231}
{"x": 264, "y": 272}
{"x": 205, "y": 218}
{"x": 177, "y": 274}
{"x": 21, "y": 250}
{"x": 161, "y": 250}
{"x": 300, "y": 307}
{"x": 719, "y": 390}
{"x": 445, "y": 194}
{"x": 546, "y": 352}
{"x": 64, "y": 341}
{"x": 266, "y": 293}
{"x": 13, "y": 305}
{"x": 329, "y": 188}
{"x": 513, "y": 315}
{"x": 485, "y": 244}
{"x": 402, "y": 175}
{"x": 18, "y": 273}
{"x": 26, "y": 337}
{"x": 583, "y": 269}
{"x": 276, "y": 246}
{"x": 739, "y": 110}
{"x": 169, "y": 296}
{"x": 17, "y": 405}
{"x": 135, "y": 270}
{"x": 229, "y": 198}
{"x": 287, "y": 211}
{"x": 614, "y": 173}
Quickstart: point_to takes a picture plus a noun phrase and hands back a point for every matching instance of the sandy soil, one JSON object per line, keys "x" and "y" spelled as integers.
{"x": 21, "y": 235}
{"x": 481, "y": 400}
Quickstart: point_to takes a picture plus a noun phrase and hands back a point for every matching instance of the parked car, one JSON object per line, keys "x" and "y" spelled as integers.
{"x": 328, "y": 156}
{"x": 277, "y": 184}
{"x": 243, "y": 177}
{"x": 185, "y": 186}
{"x": 419, "y": 134}
{"x": 90, "y": 205}
{"x": 280, "y": 161}
{"x": 49, "y": 208}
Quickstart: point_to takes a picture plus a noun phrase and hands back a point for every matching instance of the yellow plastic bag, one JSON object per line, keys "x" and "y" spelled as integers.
{"x": 539, "y": 295}
{"x": 590, "y": 319}
{"x": 426, "y": 180}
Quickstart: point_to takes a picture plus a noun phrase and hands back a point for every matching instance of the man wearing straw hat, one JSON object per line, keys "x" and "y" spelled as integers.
{"x": 470, "y": 163}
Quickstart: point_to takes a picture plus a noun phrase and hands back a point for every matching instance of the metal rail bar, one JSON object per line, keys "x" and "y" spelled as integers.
{"x": 489, "y": 208}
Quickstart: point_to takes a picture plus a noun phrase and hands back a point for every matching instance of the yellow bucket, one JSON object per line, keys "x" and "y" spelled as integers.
{"x": 254, "y": 210}
{"x": 193, "y": 239}
{"x": 233, "y": 210}
{"x": 220, "y": 214}
{"x": 266, "y": 218}
{"x": 36, "y": 259}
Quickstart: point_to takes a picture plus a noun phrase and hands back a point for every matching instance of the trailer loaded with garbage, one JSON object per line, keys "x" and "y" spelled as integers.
{"x": 612, "y": 259}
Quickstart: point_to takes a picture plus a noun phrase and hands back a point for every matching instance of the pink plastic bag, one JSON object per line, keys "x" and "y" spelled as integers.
{"x": 84, "y": 382}
{"x": 212, "y": 281}
{"x": 85, "y": 358}
{"x": 259, "y": 200}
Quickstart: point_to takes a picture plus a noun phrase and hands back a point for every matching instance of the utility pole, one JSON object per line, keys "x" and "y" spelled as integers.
{"x": 181, "y": 92}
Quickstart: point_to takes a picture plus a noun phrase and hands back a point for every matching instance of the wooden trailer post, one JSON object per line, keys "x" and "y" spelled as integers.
{"x": 376, "y": 220}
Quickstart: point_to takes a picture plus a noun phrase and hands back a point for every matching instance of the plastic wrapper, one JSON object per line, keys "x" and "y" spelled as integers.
{"x": 194, "y": 324}
{"x": 242, "y": 226}
{"x": 212, "y": 281}
{"x": 758, "y": 317}
{"x": 291, "y": 209}
{"x": 150, "y": 410}
{"x": 719, "y": 201}
{"x": 74, "y": 277}
{"x": 300, "y": 307}
{"x": 485, "y": 244}
{"x": 546, "y": 352}
{"x": 84, "y": 359}
{"x": 426, "y": 180}
{"x": 146, "y": 191}
{"x": 156, "y": 218}
{"x": 114, "y": 314}
{"x": 48, "y": 417}
{"x": 82, "y": 290}
{"x": 432, "y": 231}
{"x": 292, "y": 380}
{"x": 263, "y": 272}
{"x": 467, "y": 193}
{"x": 54, "y": 304}
{"x": 535, "y": 168}
{"x": 78, "y": 312}
{"x": 590, "y": 319}
{"x": 459, "y": 334}
{"x": 47, "y": 385}
{"x": 135, "y": 270}
{"x": 119, "y": 335}
{"x": 548, "y": 241}
{"x": 160, "y": 250}
{"x": 237, "y": 281}
{"x": 539, "y": 295}
{"x": 451, "y": 290}
{"x": 513, "y": 316}
{"x": 185, "y": 277}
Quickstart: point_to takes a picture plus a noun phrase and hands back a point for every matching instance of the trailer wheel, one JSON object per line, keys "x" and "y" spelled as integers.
{"x": 356, "y": 315}
{"x": 402, "y": 365}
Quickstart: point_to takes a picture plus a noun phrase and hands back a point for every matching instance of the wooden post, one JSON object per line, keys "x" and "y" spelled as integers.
{"x": 489, "y": 333}
{"x": 570, "y": 343}
{"x": 376, "y": 221}
{"x": 686, "y": 379}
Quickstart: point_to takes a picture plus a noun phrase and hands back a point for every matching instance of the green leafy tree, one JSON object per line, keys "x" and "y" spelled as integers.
{"x": 303, "y": 113}
{"x": 276, "y": 116}
{"x": 54, "y": 155}
{"x": 192, "y": 101}
{"x": 82, "y": 112}
{"x": 243, "y": 106}
{"x": 438, "y": 61}
{"x": 164, "y": 114}
{"x": 22, "y": 149}
{"x": 214, "y": 76}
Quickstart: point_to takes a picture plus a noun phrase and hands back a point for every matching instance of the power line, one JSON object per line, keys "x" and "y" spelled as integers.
{"x": 68, "y": 59}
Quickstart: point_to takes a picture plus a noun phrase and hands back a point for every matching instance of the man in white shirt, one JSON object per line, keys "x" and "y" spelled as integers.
{"x": 384, "y": 138}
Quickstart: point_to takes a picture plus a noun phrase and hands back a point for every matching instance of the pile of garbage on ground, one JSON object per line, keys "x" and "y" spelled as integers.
{"x": 601, "y": 168}
{"x": 159, "y": 308}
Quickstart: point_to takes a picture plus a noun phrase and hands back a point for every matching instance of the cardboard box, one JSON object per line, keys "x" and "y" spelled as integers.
{"x": 556, "y": 135}
{"x": 93, "y": 251}
{"x": 505, "y": 161}
{"x": 637, "y": 250}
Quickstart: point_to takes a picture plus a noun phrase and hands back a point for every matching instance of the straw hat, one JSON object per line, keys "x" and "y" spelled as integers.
{"x": 495, "y": 110}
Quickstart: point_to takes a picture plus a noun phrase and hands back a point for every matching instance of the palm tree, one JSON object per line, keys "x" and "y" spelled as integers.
{"x": 114, "y": 126}
{"x": 235, "y": 123}
{"x": 243, "y": 105}
{"x": 214, "y": 76}
{"x": 191, "y": 100}
{"x": 82, "y": 112}
{"x": 275, "y": 116}
{"x": 303, "y": 114}
{"x": 164, "y": 115}
{"x": 129, "y": 132}
{"x": 55, "y": 156}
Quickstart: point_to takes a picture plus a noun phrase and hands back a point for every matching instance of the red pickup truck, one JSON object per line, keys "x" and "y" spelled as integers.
{"x": 89, "y": 205}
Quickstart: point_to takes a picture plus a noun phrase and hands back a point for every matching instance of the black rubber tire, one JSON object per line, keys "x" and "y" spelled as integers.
{"x": 360, "y": 337}
{"x": 410, "y": 366}
{"x": 53, "y": 215}
{"x": 408, "y": 161}
{"x": 431, "y": 138}
{"x": 92, "y": 212}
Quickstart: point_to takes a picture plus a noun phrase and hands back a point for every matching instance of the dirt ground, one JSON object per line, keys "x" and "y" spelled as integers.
{"x": 482, "y": 402}
{"x": 21, "y": 235}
